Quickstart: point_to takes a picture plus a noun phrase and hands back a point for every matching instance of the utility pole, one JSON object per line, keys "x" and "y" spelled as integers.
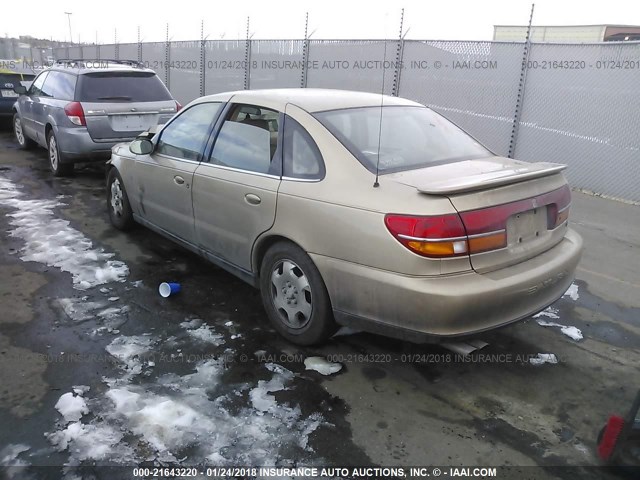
{"x": 68, "y": 14}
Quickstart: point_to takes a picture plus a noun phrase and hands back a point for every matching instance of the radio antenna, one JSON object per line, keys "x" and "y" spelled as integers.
{"x": 376, "y": 184}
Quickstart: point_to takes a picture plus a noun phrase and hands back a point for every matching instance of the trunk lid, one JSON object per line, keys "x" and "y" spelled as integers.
{"x": 524, "y": 204}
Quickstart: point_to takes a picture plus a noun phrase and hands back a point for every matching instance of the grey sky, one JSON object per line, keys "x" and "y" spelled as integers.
{"x": 426, "y": 19}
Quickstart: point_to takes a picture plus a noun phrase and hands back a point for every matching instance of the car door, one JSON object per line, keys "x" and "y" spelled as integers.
{"x": 41, "y": 107}
{"x": 25, "y": 103}
{"x": 164, "y": 177}
{"x": 234, "y": 193}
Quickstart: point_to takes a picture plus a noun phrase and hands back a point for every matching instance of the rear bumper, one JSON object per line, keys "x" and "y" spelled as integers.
{"x": 420, "y": 308}
{"x": 77, "y": 145}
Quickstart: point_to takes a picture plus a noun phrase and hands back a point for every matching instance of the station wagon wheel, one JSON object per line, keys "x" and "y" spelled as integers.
{"x": 295, "y": 296}
{"x": 117, "y": 202}
{"x": 58, "y": 167}
{"x": 22, "y": 139}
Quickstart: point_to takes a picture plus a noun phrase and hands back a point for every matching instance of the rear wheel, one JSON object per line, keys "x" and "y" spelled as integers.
{"x": 25, "y": 142}
{"x": 58, "y": 168}
{"x": 117, "y": 202}
{"x": 294, "y": 295}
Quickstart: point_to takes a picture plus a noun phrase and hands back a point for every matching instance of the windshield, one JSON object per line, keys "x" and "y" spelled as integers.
{"x": 412, "y": 137}
{"x": 122, "y": 87}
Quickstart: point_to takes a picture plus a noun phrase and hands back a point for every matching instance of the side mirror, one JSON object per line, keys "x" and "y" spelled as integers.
{"x": 141, "y": 146}
{"x": 20, "y": 90}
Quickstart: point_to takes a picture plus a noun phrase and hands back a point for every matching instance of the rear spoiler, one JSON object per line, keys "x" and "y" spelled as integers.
{"x": 482, "y": 181}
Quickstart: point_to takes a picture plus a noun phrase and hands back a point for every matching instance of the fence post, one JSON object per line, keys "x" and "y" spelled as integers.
{"x": 520, "y": 98}
{"x": 247, "y": 60}
{"x": 305, "y": 53}
{"x": 203, "y": 61}
{"x": 167, "y": 57}
{"x": 115, "y": 43}
{"x": 399, "y": 57}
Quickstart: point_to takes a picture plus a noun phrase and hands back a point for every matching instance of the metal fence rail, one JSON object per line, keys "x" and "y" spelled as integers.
{"x": 581, "y": 104}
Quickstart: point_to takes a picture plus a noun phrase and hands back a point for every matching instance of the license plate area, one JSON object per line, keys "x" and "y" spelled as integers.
{"x": 131, "y": 123}
{"x": 8, "y": 94}
{"x": 526, "y": 227}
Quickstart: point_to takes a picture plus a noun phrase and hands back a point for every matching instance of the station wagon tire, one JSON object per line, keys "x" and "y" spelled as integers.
{"x": 24, "y": 142}
{"x": 295, "y": 296}
{"x": 58, "y": 168}
{"x": 117, "y": 202}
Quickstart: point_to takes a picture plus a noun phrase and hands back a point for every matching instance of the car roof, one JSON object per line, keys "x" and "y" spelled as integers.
{"x": 81, "y": 67}
{"x": 310, "y": 99}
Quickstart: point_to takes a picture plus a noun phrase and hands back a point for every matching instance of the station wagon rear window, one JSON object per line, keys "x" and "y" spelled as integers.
{"x": 412, "y": 137}
{"x": 122, "y": 87}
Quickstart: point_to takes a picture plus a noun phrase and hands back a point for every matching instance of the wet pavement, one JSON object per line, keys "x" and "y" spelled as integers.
{"x": 201, "y": 378}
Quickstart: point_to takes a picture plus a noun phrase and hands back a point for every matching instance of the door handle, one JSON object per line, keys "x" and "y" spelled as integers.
{"x": 252, "y": 199}
{"x": 178, "y": 180}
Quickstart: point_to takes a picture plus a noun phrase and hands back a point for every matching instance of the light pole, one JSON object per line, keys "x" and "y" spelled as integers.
{"x": 68, "y": 14}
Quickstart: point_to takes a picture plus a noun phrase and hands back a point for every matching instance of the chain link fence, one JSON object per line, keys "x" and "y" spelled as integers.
{"x": 578, "y": 104}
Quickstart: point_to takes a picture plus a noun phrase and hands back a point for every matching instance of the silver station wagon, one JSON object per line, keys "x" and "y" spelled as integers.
{"x": 348, "y": 208}
{"x": 79, "y": 109}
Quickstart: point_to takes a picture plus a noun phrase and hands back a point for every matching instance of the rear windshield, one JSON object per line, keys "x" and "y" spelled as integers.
{"x": 412, "y": 137}
{"x": 12, "y": 80}
{"x": 122, "y": 87}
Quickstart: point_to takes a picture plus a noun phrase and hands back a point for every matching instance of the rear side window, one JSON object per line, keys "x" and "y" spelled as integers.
{"x": 248, "y": 140}
{"x": 302, "y": 159}
{"x": 186, "y": 135}
{"x": 60, "y": 85}
{"x": 122, "y": 87}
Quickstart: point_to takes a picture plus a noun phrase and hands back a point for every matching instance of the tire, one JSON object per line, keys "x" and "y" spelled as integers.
{"x": 118, "y": 202}
{"x": 24, "y": 142}
{"x": 295, "y": 296}
{"x": 58, "y": 168}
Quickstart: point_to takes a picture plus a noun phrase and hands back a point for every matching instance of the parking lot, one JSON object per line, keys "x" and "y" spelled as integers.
{"x": 202, "y": 377}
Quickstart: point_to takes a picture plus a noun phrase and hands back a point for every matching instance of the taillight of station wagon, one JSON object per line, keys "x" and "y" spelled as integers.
{"x": 473, "y": 231}
{"x": 75, "y": 113}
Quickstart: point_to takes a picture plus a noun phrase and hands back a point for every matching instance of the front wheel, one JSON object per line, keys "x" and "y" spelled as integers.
{"x": 24, "y": 142}
{"x": 295, "y": 296}
{"x": 58, "y": 168}
{"x": 117, "y": 202}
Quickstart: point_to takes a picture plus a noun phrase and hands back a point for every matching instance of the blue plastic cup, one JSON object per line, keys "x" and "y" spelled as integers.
{"x": 167, "y": 289}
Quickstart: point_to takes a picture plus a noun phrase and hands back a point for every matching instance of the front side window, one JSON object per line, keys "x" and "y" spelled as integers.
{"x": 248, "y": 140}
{"x": 301, "y": 156}
{"x": 410, "y": 137}
{"x": 36, "y": 86}
{"x": 187, "y": 134}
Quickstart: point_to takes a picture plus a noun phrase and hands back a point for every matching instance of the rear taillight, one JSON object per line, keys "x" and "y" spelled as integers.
{"x": 75, "y": 113}
{"x": 434, "y": 236}
{"x": 178, "y": 106}
{"x": 473, "y": 231}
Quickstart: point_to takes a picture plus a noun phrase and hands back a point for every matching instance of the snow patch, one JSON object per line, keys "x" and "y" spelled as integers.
{"x": 91, "y": 442}
{"x": 128, "y": 350}
{"x": 548, "y": 312}
{"x": 203, "y": 333}
{"x": 572, "y": 292}
{"x": 321, "y": 365}
{"x": 9, "y": 455}
{"x": 72, "y": 407}
{"x": 52, "y": 241}
{"x": 571, "y": 332}
{"x": 543, "y": 358}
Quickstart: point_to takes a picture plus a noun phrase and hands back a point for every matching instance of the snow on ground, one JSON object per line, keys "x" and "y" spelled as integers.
{"x": 321, "y": 366}
{"x": 196, "y": 329}
{"x": 180, "y": 417}
{"x": 129, "y": 350}
{"x": 53, "y": 242}
{"x": 548, "y": 312}
{"x": 571, "y": 332}
{"x": 9, "y": 455}
{"x": 543, "y": 358}
{"x": 72, "y": 407}
{"x": 572, "y": 292}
